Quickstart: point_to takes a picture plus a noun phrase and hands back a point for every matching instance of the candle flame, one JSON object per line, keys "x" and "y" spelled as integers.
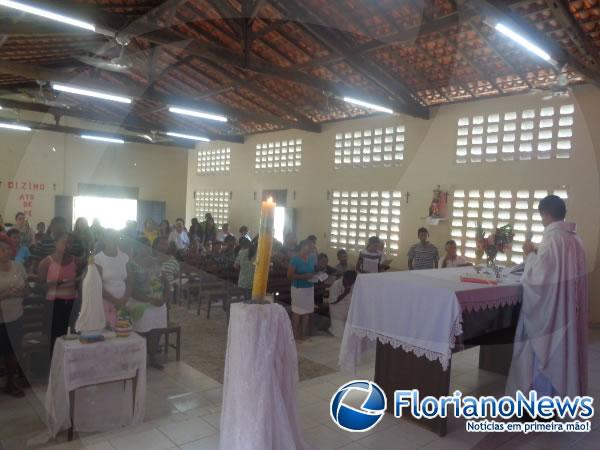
{"x": 270, "y": 199}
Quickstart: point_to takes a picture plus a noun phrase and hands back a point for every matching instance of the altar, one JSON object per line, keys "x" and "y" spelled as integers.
{"x": 420, "y": 318}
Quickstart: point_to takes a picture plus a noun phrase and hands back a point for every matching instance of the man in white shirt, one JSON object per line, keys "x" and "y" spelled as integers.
{"x": 180, "y": 236}
{"x": 224, "y": 233}
{"x": 550, "y": 353}
{"x": 452, "y": 259}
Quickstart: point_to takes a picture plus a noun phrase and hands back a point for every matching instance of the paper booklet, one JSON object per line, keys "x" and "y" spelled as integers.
{"x": 319, "y": 277}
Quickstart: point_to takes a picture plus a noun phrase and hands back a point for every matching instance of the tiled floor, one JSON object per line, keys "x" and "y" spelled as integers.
{"x": 183, "y": 411}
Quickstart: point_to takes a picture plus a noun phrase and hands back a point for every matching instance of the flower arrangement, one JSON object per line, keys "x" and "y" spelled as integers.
{"x": 497, "y": 242}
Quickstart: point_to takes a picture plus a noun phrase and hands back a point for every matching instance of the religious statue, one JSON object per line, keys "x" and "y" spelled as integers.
{"x": 437, "y": 209}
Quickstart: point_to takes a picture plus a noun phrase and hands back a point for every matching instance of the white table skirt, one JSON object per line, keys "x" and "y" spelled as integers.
{"x": 261, "y": 381}
{"x": 419, "y": 311}
{"x": 75, "y": 365}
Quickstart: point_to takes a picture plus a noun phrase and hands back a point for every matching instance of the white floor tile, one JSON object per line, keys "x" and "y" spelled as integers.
{"x": 208, "y": 443}
{"x": 187, "y": 431}
{"x": 146, "y": 440}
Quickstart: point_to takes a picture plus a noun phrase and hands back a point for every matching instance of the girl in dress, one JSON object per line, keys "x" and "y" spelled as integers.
{"x": 300, "y": 270}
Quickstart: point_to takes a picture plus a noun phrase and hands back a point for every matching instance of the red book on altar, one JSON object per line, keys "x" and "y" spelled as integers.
{"x": 476, "y": 279}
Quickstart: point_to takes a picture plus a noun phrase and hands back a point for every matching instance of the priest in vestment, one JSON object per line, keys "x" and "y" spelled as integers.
{"x": 550, "y": 352}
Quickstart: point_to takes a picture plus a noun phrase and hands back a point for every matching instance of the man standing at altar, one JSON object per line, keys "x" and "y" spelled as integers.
{"x": 550, "y": 353}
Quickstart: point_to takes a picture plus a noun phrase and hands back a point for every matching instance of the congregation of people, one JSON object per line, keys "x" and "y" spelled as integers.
{"x": 145, "y": 267}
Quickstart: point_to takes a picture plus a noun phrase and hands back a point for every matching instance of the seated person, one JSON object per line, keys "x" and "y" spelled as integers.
{"x": 148, "y": 290}
{"x": 324, "y": 267}
{"x": 369, "y": 259}
{"x": 452, "y": 259}
{"x": 210, "y": 261}
{"x": 166, "y": 252}
{"x": 423, "y": 255}
{"x": 340, "y": 295}
{"x": 21, "y": 252}
{"x": 226, "y": 258}
{"x": 342, "y": 265}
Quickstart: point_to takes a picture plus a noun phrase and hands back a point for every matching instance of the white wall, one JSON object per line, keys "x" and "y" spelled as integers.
{"x": 158, "y": 172}
{"x": 429, "y": 160}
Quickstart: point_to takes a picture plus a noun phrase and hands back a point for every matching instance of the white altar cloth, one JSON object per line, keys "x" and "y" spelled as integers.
{"x": 420, "y": 311}
{"x": 260, "y": 385}
{"x": 75, "y": 365}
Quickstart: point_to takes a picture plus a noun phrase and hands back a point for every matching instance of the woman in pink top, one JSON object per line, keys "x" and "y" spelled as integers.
{"x": 59, "y": 274}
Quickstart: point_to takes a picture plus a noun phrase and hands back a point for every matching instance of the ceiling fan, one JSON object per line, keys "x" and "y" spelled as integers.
{"x": 559, "y": 89}
{"x": 154, "y": 137}
{"x": 44, "y": 96}
{"x": 121, "y": 63}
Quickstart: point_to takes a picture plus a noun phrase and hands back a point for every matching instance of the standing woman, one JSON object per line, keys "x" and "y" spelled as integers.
{"x": 59, "y": 275}
{"x": 112, "y": 265}
{"x": 83, "y": 240}
{"x": 300, "y": 270}
{"x": 12, "y": 291}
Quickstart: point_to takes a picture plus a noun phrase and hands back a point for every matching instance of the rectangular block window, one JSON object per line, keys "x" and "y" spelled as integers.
{"x": 518, "y": 207}
{"x": 379, "y": 147}
{"x": 214, "y": 161}
{"x": 356, "y": 216}
{"x": 279, "y": 156}
{"x": 214, "y": 202}
{"x": 542, "y": 133}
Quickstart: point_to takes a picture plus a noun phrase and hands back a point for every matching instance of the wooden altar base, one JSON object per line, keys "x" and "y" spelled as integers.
{"x": 493, "y": 330}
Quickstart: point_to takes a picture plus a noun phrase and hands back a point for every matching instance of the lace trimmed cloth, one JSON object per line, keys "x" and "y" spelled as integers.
{"x": 418, "y": 311}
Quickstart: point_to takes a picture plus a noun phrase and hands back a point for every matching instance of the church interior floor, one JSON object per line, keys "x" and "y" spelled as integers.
{"x": 183, "y": 411}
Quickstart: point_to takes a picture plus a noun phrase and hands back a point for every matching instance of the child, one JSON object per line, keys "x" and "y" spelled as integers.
{"x": 340, "y": 295}
{"x": 244, "y": 262}
{"x": 369, "y": 259}
{"x": 423, "y": 255}
{"x": 342, "y": 266}
{"x": 452, "y": 259}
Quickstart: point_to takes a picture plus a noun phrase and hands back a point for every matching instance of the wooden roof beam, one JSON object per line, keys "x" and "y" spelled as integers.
{"x": 502, "y": 57}
{"x": 279, "y": 102}
{"x": 134, "y": 90}
{"x": 563, "y": 16}
{"x": 225, "y": 56}
{"x": 43, "y": 126}
{"x": 404, "y": 99}
{"x": 126, "y": 123}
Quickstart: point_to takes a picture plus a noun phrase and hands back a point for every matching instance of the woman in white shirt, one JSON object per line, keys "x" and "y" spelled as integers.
{"x": 452, "y": 259}
{"x": 112, "y": 265}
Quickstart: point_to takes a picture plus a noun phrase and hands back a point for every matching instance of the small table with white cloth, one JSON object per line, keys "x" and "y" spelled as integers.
{"x": 419, "y": 318}
{"x": 77, "y": 366}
